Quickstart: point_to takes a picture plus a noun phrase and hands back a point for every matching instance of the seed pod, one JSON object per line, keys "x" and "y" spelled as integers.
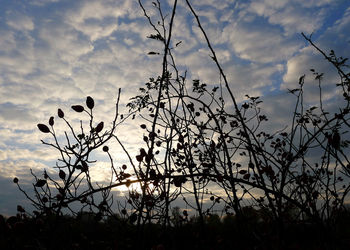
{"x": 78, "y": 108}
{"x": 99, "y": 127}
{"x": 139, "y": 158}
{"x": 242, "y": 171}
{"x": 40, "y": 183}
{"x": 60, "y": 113}
{"x": 90, "y": 102}
{"x": 43, "y": 128}
{"x": 336, "y": 140}
{"x": 62, "y": 174}
{"x": 51, "y": 121}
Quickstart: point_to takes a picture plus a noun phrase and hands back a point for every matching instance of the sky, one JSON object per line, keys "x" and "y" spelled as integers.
{"x": 54, "y": 53}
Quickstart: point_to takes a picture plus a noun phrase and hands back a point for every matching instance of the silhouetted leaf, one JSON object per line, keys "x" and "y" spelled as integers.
{"x": 60, "y": 113}
{"x": 62, "y": 175}
{"x": 40, "y": 183}
{"x": 139, "y": 158}
{"x": 43, "y": 128}
{"x": 90, "y": 102}
{"x": 99, "y": 127}
{"x": 78, "y": 108}
{"x": 156, "y": 37}
{"x": 336, "y": 140}
{"x": 143, "y": 152}
{"x": 153, "y": 53}
{"x": 242, "y": 171}
{"x": 51, "y": 121}
{"x": 126, "y": 175}
{"x": 20, "y": 209}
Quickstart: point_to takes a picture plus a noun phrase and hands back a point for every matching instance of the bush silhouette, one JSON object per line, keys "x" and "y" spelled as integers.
{"x": 194, "y": 135}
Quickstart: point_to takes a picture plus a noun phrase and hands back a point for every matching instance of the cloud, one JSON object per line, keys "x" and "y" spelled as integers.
{"x": 98, "y": 19}
{"x": 42, "y": 2}
{"x": 333, "y": 38}
{"x": 297, "y": 16}
{"x": 260, "y": 43}
{"x": 64, "y": 42}
{"x": 11, "y": 114}
{"x": 19, "y": 21}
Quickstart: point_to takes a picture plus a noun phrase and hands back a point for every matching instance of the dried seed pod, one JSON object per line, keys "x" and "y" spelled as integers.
{"x": 40, "y": 183}
{"x": 78, "y": 108}
{"x": 43, "y": 128}
{"x": 60, "y": 113}
{"x": 99, "y": 127}
{"x": 62, "y": 175}
{"x": 90, "y": 102}
{"x": 51, "y": 121}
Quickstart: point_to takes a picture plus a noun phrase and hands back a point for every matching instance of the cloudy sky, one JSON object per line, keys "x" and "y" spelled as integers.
{"x": 54, "y": 53}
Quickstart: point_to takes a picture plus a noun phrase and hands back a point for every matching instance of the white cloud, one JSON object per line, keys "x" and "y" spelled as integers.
{"x": 19, "y": 21}
{"x": 13, "y": 114}
{"x": 43, "y": 154}
{"x": 98, "y": 19}
{"x": 7, "y": 40}
{"x": 335, "y": 37}
{"x": 42, "y": 2}
{"x": 64, "y": 43}
{"x": 260, "y": 43}
{"x": 11, "y": 169}
{"x": 293, "y": 17}
{"x": 295, "y": 21}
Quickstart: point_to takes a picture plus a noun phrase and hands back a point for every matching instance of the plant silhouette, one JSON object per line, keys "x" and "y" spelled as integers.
{"x": 204, "y": 147}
